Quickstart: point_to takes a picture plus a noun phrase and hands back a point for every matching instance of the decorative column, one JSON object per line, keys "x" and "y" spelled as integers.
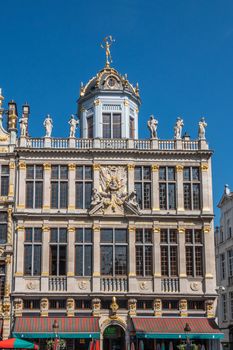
{"x": 155, "y": 187}
{"x": 71, "y": 196}
{"x": 209, "y": 254}
{"x": 21, "y": 185}
{"x": 157, "y": 258}
{"x": 96, "y": 258}
{"x": 6, "y": 307}
{"x": 71, "y": 249}
{"x": 131, "y": 178}
{"x": 157, "y": 307}
{"x": 183, "y": 307}
{"x": 9, "y": 226}
{"x": 18, "y": 307}
{"x": 44, "y": 307}
{"x": 20, "y": 250}
{"x": 206, "y": 188}
{"x": 70, "y": 306}
{"x": 97, "y": 119}
{"x": 46, "y": 186}
{"x": 209, "y": 307}
{"x": 96, "y": 307}
{"x": 132, "y": 259}
{"x": 125, "y": 120}
{"x": 96, "y": 176}
{"x": 45, "y": 258}
{"x": 132, "y": 307}
{"x": 11, "y": 180}
{"x": 180, "y": 188}
{"x": 182, "y": 259}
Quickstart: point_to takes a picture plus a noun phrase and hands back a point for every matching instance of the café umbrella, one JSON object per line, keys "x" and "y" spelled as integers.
{"x": 15, "y": 343}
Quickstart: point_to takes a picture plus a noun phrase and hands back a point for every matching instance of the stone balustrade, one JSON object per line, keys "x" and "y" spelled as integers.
{"x": 114, "y": 284}
{"x": 170, "y": 285}
{"x": 140, "y": 144}
{"x": 57, "y": 284}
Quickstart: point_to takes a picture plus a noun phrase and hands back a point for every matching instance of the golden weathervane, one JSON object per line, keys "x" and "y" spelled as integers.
{"x": 106, "y": 44}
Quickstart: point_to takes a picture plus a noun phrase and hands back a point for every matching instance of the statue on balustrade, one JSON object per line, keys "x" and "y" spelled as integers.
{"x": 73, "y": 125}
{"x": 201, "y": 129}
{"x": 23, "y": 126}
{"x": 178, "y": 128}
{"x": 152, "y": 125}
{"x": 48, "y": 124}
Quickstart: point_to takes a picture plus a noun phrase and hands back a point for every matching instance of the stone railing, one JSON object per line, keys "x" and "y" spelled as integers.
{"x": 116, "y": 144}
{"x": 170, "y": 285}
{"x": 114, "y": 284}
{"x": 57, "y": 284}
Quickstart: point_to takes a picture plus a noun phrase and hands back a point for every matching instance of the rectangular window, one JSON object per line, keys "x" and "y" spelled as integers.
{"x": 131, "y": 128}
{"x": 231, "y": 303}
{"x": 90, "y": 133}
{"x": 34, "y": 186}
{"x": 111, "y": 125}
{"x": 113, "y": 251}
{"x": 59, "y": 186}
{"x": 83, "y": 252}
{"x": 144, "y": 252}
{"x": 224, "y": 307}
{"x": 143, "y": 186}
{"x": 3, "y": 228}
{"x": 4, "y": 180}
{"x": 167, "y": 188}
{"x": 230, "y": 262}
{"x": 2, "y": 280}
{"x": 32, "y": 251}
{"x": 194, "y": 252}
{"x": 83, "y": 186}
{"x": 222, "y": 266}
{"x": 58, "y": 251}
{"x": 192, "y": 195}
{"x": 169, "y": 252}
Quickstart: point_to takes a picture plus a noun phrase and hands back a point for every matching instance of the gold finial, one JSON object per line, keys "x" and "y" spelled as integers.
{"x": 106, "y": 44}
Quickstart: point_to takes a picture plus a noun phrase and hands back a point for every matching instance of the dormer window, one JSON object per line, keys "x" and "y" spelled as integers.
{"x": 111, "y": 125}
{"x": 90, "y": 134}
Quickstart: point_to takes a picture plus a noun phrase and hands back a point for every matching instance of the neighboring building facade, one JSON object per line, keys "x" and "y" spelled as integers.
{"x": 113, "y": 235}
{"x": 224, "y": 266}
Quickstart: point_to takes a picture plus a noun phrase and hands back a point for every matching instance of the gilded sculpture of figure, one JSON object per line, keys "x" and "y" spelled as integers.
{"x": 152, "y": 125}
{"x": 178, "y": 128}
{"x": 48, "y": 124}
{"x": 23, "y": 126}
{"x": 107, "y": 43}
{"x": 73, "y": 125}
{"x": 201, "y": 130}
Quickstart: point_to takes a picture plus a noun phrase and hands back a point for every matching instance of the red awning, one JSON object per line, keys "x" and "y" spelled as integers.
{"x": 173, "y": 327}
{"x": 68, "y": 327}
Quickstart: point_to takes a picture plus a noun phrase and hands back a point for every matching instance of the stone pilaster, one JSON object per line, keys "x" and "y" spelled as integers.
{"x": 157, "y": 258}
{"x": 96, "y": 258}
{"x": 96, "y": 176}
{"x": 131, "y": 177}
{"x": 21, "y": 185}
{"x": 132, "y": 260}
{"x": 97, "y": 119}
{"x": 157, "y": 305}
{"x": 70, "y": 306}
{"x": 20, "y": 250}
{"x": 206, "y": 187}
{"x": 44, "y": 307}
{"x": 71, "y": 197}
{"x": 46, "y": 192}
{"x": 11, "y": 179}
{"x": 180, "y": 188}
{"x": 132, "y": 307}
{"x": 125, "y": 120}
{"x": 155, "y": 187}
{"x": 96, "y": 307}
{"x": 209, "y": 253}
{"x": 71, "y": 251}
{"x": 182, "y": 259}
{"x": 45, "y": 258}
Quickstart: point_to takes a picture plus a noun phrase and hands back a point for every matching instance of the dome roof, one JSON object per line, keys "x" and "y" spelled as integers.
{"x": 109, "y": 80}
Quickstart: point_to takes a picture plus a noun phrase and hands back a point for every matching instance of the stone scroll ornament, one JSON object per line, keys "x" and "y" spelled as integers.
{"x": 113, "y": 197}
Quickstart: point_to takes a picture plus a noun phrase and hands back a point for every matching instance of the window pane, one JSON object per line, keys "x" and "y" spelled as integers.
{"x": 195, "y": 173}
{"x": 147, "y": 195}
{"x": 88, "y": 192}
{"x": 88, "y": 172}
{"x": 37, "y": 235}
{"x": 79, "y": 235}
{"x": 88, "y": 260}
{"x": 79, "y": 260}
{"x": 162, "y": 196}
{"x": 171, "y": 173}
{"x": 79, "y": 173}
{"x": 63, "y": 172}
{"x": 138, "y": 189}
{"x": 148, "y": 236}
{"x": 187, "y": 196}
{"x": 4, "y": 185}
{"x": 138, "y": 173}
{"x": 164, "y": 261}
{"x": 162, "y": 173}
{"x": 39, "y": 172}
{"x": 164, "y": 236}
{"x": 27, "y": 259}
{"x": 106, "y": 235}
{"x": 186, "y": 174}
{"x": 53, "y": 260}
{"x": 171, "y": 196}
{"x": 139, "y": 260}
{"x": 90, "y": 127}
{"x": 148, "y": 260}
{"x": 38, "y": 194}
{"x": 106, "y": 260}
{"x": 117, "y": 126}
{"x": 54, "y": 195}
{"x": 79, "y": 195}
{"x": 189, "y": 261}
{"x": 121, "y": 236}
{"x": 62, "y": 235}
{"x": 54, "y": 171}
{"x": 199, "y": 264}
{"x": 88, "y": 235}
{"x": 173, "y": 236}
{"x": 63, "y": 194}
{"x": 173, "y": 261}
{"x": 196, "y": 196}
{"x": 3, "y": 217}
{"x": 62, "y": 260}
{"x": 3, "y": 233}
{"x": 28, "y": 235}
{"x": 30, "y": 171}
{"x": 37, "y": 260}
{"x": 29, "y": 195}
{"x": 139, "y": 235}
{"x": 53, "y": 235}
{"x": 188, "y": 236}
{"x": 198, "y": 236}
{"x": 5, "y": 169}
{"x": 120, "y": 260}
{"x": 146, "y": 173}
{"x": 106, "y": 125}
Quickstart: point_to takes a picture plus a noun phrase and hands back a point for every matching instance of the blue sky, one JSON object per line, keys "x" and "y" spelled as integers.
{"x": 180, "y": 52}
